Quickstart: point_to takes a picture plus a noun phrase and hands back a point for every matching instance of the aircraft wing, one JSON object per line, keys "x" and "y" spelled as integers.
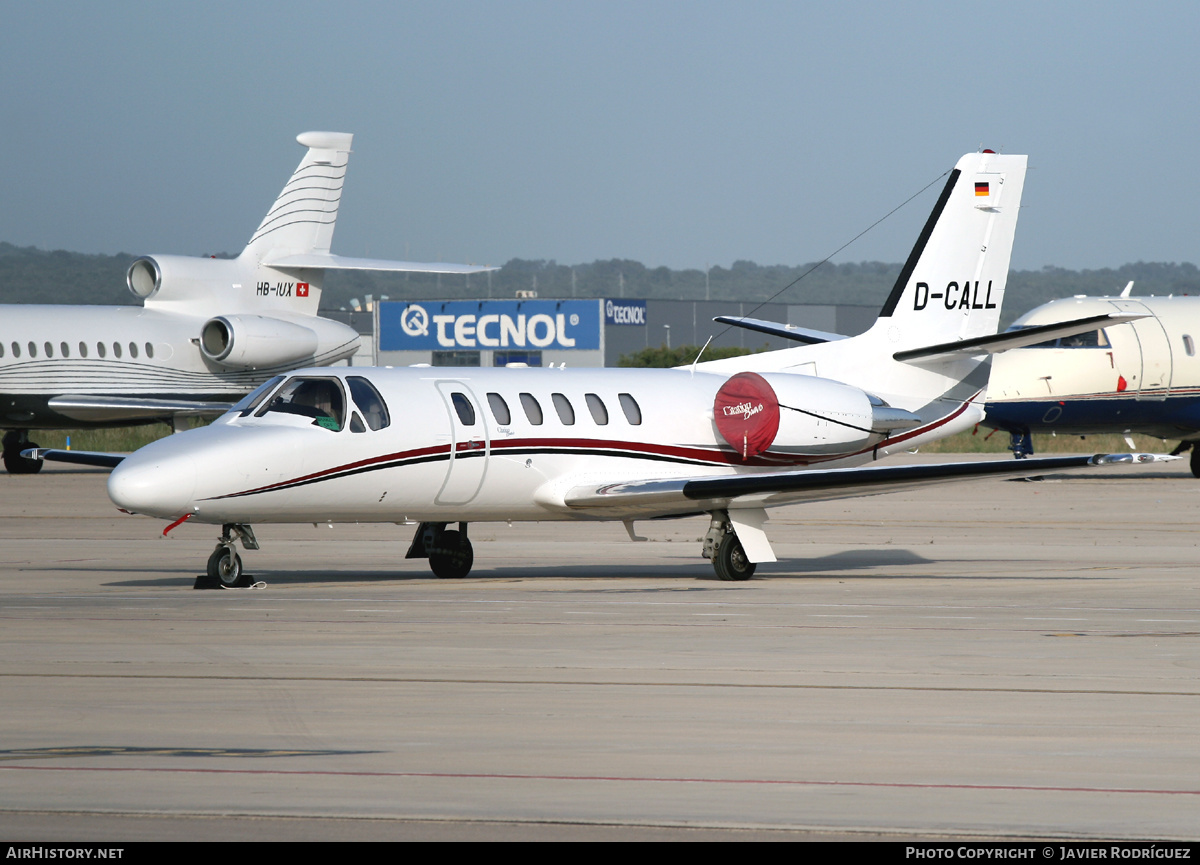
{"x": 324, "y": 261}
{"x": 668, "y": 496}
{"x": 82, "y": 458}
{"x": 774, "y": 328}
{"x": 102, "y": 409}
{"x": 1022, "y": 338}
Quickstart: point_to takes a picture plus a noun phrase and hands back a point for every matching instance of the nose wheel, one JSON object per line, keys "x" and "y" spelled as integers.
{"x": 225, "y": 565}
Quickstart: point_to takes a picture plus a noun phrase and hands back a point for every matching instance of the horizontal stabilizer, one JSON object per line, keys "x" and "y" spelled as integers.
{"x": 995, "y": 343}
{"x": 787, "y": 331}
{"x": 780, "y": 488}
{"x": 100, "y": 409}
{"x": 82, "y": 458}
{"x": 324, "y": 261}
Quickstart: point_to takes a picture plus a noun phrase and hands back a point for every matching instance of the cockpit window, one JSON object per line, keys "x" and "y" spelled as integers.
{"x": 369, "y": 401}
{"x": 318, "y": 398}
{"x": 250, "y": 401}
{"x": 1091, "y": 339}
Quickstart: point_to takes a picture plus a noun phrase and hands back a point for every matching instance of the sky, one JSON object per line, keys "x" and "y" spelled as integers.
{"x": 684, "y": 134}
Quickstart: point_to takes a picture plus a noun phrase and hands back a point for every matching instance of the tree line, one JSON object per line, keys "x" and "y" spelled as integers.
{"x": 31, "y": 275}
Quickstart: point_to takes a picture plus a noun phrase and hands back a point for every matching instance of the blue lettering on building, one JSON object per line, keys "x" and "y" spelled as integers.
{"x": 490, "y": 324}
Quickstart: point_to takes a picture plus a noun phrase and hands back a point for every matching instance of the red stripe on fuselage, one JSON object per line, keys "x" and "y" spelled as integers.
{"x": 722, "y": 456}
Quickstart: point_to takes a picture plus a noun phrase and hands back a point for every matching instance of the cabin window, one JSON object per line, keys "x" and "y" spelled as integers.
{"x": 250, "y": 401}
{"x": 597, "y": 408}
{"x": 633, "y": 412}
{"x": 32, "y": 348}
{"x": 133, "y": 349}
{"x": 356, "y": 424}
{"x": 318, "y": 398}
{"x": 1189, "y": 346}
{"x": 149, "y": 350}
{"x": 499, "y": 409}
{"x": 370, "y": 403}
{"x": 533, "y": 409}
{"x": 49, "y": 349}
{"x": 562, "y": 405}
{"x": 83, "y": 349}
{"x": 463, "y": 408}
{"x": 16, "y": 347}
{"x": 116, "y": 349}
{"x": 100, "y": 352}
{"x": 1, "y": 349}
{"x": 64, "y": 349}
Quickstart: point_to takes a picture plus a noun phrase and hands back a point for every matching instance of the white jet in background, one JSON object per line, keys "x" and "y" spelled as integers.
{"x": 728, "y": 438}
{"x": 208, "y": 331}
{"x": 1144, "y": 378}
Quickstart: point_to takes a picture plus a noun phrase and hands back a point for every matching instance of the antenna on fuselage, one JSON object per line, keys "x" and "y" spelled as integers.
{"x": 697, "y": 360}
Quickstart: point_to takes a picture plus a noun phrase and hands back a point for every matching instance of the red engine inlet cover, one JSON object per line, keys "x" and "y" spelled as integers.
{"x": 747, "y": 413}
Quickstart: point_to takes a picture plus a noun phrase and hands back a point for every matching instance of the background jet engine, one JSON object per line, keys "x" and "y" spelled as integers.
{"x": 255, "y": 341}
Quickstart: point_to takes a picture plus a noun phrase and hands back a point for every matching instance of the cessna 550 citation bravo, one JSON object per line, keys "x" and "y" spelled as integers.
{"x": 728, "y": 438}
{"x": 209, "y": 331}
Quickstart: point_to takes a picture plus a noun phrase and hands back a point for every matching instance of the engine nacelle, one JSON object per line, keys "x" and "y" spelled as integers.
{"x": 256, "y": 341}
{"x": 793, "y": 414}
{"x": 181, "y": 277}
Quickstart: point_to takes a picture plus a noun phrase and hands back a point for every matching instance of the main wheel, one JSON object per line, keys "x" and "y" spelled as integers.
{"x": 225, "y": 566}
{"x": 730, "y": 560}
{"x": 452, "y": 556}
{"x": 1195, "y": 462}
{"x": 16, "y": 464}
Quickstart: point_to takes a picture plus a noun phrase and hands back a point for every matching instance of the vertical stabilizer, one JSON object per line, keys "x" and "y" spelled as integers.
{"x": 302, "y": 219}
{"x": 952, "y": 285}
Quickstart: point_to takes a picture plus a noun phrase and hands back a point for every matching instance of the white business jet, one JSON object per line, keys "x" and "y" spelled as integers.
{"x": 727, "y": 438}
{"x": 1144, "y": 378}
{"x": 209, "y": 330}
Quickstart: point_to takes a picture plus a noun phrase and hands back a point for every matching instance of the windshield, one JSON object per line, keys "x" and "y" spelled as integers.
{"x": 251, "y": 400}
{"x": 318, "y": 398}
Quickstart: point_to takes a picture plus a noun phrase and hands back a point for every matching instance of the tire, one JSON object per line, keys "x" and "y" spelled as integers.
{"x": 452, "y": 556}
{"x": 730, "y": 560}
{"x": 1195, "y": 462}
{"x": 225, "y": 566}
{"x": 16, "y": 464}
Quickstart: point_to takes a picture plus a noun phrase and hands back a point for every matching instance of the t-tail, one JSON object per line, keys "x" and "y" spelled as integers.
{"x": 282, "y": 268}
{"x": 952, "y": 285}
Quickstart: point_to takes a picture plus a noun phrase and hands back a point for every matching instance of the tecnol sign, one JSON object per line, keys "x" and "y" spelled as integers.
{"x": 489, "y": 324}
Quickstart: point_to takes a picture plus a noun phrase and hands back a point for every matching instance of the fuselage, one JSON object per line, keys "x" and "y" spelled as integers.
{"x": 485, "y": 444}
{"x": 1142, "y": 376}
{"x": 49, "y": 351}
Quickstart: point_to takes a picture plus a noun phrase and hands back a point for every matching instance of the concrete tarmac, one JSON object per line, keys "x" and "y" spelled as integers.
{"x": 995, "y": 659}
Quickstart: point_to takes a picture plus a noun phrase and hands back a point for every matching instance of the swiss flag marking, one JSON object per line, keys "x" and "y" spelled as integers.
{"x": 301, "y": 289}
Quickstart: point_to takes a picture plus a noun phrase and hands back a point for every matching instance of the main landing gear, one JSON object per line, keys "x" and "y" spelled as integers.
{"x": 722, "y": 546}
{"x": 225, "y": 565}
{"x": 449, "y": 552}
{"x": 16, "y": 441}
{"x": 1021, "y": 444}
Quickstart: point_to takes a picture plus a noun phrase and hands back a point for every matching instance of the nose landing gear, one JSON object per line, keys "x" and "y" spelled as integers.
{"x": 225, "y": 565}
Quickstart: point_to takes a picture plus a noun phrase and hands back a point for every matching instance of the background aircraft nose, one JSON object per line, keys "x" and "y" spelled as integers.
{"x": 156, "y": 485}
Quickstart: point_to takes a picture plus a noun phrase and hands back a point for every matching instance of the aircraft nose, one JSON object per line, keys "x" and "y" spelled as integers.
{"x": 158, "y": 485}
